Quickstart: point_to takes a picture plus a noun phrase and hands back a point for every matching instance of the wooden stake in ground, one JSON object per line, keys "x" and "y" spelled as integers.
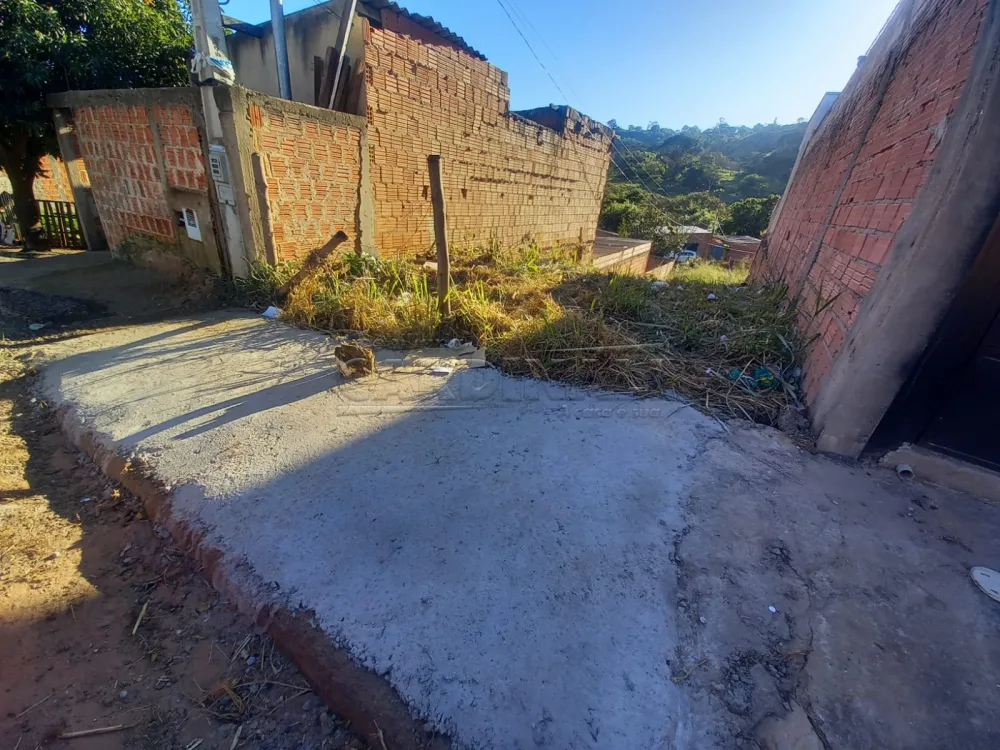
{"x": 440, "y": 234}
{"x": 316, "y": 257}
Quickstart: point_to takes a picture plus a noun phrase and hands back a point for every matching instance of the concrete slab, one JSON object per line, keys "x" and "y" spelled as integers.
{"x": 530, "y": 565}
{"x": 937, "y": 468}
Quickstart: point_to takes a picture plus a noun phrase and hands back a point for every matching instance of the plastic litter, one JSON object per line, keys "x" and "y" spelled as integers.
{"x": 988, "y": 581}
{"x": 772, "y": 609}
{"x": 761, "y": 380}
{"x": 36, "y": 326}
{"x": 271, "y": 312}
{"x": 440, "y": 370}
{"x": 904, "y": 471}
{"x": 711, "y": 296}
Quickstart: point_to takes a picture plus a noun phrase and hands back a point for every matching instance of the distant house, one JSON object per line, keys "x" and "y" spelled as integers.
{"x": 739, "y": 248}
{"x": 731, "y": 249}
{"x": 698, "y": 239}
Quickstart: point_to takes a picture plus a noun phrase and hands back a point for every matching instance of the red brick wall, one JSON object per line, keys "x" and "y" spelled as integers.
{"x": 180, "y": 140}
{"x": 53, "y": 183}
{"x": 312, "y": 171}
{"x": 861, "y": 172}
{"x": 118, "y": 145}
{"x": 504, "y": 176}
{"x": 636, "y": 265}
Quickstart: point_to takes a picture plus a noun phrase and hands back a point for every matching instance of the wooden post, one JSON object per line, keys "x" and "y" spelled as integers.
{"x": 329, "y": 68}
{"x": 317, "y": 78}
{"x": 260, "y": 184}
{"x": 313, "y": 261}
{"x": 440, "y": 234}
{"x": 343, "y": 33}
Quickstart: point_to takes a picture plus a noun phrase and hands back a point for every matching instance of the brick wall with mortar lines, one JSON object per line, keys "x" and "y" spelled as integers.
{"x": 857, "y": 183}
{"x": 51, "y": 184}
{"x": 118, "y": 145}
{"x": 504, "y": 176}
{"x": 312, "y": 172}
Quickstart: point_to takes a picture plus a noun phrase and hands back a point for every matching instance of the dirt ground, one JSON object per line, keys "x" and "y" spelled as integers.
{"x": 103, "y": 625}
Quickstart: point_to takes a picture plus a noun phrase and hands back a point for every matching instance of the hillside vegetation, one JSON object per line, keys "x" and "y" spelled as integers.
{"x": 727, "y": 178}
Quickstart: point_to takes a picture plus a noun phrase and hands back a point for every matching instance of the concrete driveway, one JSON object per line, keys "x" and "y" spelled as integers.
{"x": 532, "y": 566}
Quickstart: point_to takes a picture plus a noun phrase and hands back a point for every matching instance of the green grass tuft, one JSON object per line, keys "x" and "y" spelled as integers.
{"x": 704, "y": 334}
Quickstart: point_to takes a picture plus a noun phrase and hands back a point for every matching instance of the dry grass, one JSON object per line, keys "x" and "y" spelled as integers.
{"x": 708, "y": 335}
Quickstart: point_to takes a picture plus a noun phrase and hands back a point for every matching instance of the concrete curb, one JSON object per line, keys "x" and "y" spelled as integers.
{"x": 374, "y": 708}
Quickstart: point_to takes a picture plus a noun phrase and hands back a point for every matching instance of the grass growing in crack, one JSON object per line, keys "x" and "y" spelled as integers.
{"x": 728, "y": 346}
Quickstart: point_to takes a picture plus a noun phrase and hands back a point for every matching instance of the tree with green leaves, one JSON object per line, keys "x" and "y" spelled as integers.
{"x": 48, "y": 46}
{"x": 750, "y": 216}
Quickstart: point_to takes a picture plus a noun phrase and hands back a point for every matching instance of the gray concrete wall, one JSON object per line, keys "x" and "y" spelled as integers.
{"x": 308, "y": 33}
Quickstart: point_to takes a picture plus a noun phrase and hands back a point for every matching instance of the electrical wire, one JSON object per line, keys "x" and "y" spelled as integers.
{"x": 630, "y": 160}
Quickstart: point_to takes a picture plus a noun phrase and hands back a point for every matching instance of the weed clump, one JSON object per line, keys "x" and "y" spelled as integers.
{"x": 707, "y": 334}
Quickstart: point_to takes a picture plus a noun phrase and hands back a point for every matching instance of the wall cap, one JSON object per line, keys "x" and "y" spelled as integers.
{"x": 329, "y": 116}
{"x": 144, "y": 97}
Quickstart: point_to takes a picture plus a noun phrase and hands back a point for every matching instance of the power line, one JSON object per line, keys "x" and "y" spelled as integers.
{"x": 649, "y": 192}
{"x": 532, "y": 49}
{"x": 520, "y": 13}
{"x": 555, "y": 58}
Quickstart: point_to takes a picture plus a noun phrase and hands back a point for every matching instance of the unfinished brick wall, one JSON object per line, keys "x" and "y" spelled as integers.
{"x": 312, "y": 174}
{"x": 134, "y": 154}
{"x": 504, "y": 176}
{"x": 53, "y": 183}
{"x": 860, "y": 174}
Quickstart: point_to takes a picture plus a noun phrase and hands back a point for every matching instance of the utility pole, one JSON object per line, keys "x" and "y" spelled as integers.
{"x": 211, "y": 60}
{"x": 281, "y": 49}
{"x": 211, "y": 63}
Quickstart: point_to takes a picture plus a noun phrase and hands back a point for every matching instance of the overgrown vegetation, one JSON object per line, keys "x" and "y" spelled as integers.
{"x": 706, "y": 334}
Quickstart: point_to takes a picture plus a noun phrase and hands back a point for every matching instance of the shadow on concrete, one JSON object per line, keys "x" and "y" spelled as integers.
{"x": 88, "y": 291}
{"x": 528, "y": 574}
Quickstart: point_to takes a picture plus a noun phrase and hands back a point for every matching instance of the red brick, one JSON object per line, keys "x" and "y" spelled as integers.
{"x": 891, "y": 167}
{"x": 876, "y": 248}
{"x": 121, "y": 164}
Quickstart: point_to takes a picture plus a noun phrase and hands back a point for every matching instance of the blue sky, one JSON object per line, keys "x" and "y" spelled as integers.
{"x": 674, "y": 61}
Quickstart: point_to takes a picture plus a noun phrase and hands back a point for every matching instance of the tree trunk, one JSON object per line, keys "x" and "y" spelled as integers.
{"x": 29, "y": 221}
{"x": 19, "y": 160}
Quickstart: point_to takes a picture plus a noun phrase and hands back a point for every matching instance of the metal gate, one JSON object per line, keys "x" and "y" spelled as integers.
{"x": 61, "y": 224}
